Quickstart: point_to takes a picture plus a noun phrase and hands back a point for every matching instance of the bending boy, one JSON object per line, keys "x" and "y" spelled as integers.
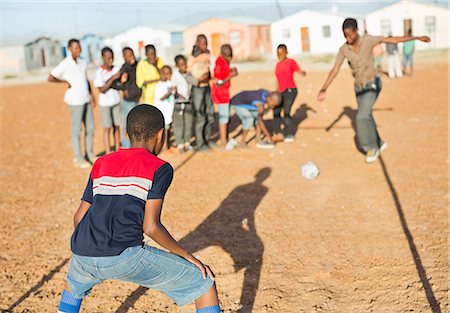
{"x": 123, "y": 199}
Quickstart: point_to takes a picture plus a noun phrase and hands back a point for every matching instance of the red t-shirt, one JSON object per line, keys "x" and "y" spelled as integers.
{"x": 285, "y": 74}
{"x": 221, "y": 94}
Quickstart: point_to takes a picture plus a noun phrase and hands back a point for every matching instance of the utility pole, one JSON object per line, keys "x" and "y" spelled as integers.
{"x": 279, "y": 8}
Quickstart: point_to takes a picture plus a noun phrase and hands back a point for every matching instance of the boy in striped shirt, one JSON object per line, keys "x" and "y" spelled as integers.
{"x": 123, "y": 199}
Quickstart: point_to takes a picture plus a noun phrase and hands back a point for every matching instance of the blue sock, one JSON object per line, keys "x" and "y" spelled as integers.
{"x": 68, "y": 303}
{"x": 209, "y": 309}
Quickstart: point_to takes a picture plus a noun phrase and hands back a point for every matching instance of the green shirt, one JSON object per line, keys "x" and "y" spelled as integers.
{"x": 408, "y": 47}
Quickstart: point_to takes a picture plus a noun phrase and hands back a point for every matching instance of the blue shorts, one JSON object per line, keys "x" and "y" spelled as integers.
{"x": 144, "y": 265}
{"x": 248, "y": 117}
{"x": 224, "y": 113}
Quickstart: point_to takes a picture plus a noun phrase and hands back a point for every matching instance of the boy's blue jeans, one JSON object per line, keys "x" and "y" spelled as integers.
{"x": 126, "y": 107}
{"x": 144, "y": 265}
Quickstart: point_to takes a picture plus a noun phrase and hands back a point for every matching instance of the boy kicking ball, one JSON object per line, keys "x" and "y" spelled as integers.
{"x": 123, "y": 199}
{"x": 250, "y": 106}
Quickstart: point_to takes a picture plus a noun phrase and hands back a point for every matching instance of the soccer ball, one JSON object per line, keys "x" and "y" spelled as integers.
{"x": 310, "y": 170}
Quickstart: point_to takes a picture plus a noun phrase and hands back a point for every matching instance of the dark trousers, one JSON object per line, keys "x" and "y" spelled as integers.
{"x": 366, "y": 127}
{"x": 204, "y": 114}
{"x": 287, "y": 100}
{"x": 183, "y": 117}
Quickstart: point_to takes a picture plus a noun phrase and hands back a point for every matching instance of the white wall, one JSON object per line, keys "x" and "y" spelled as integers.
{"x": 417, "y": 12}
{"x": 12, "y": 59}
{"x": 315, "y": 22}
{"x": 160, "y": 39}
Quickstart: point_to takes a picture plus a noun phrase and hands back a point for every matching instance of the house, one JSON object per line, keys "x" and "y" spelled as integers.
{"x": 42, "y": 52}
{"x": 428, "y": 19}
{"x": 168, "y": 42}
{"x": 311, "y": 31}
{"x": 91, "y": 46}
{"x": 12, "y": 59}
{"x": 249, "y": 37}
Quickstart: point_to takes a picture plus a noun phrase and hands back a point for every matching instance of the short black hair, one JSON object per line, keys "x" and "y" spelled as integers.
{"x": 127, "y": 49}
{"x": 166, "y": 67}
{"x": 144, "y": 122}
{"x": 107, "y": 49}
{"x": 150, "y": 47}
{"x": 275, "y": 95}
{"x": 226, "y": 50}
{"x": 72, "y": 41}
{"x": 179, "y": 57}
{"x": 350, "y": 23}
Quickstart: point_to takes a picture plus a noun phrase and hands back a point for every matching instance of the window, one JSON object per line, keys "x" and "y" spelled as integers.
{"x": 286, "y": 33}
{"x": 386, "y": 27}
{"x": 326, "y": 31}
{"x": 235, "y": 38}
{"x": 430, "y": 24}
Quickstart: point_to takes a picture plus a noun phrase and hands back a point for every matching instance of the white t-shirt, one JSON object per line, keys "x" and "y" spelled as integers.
{"x": 75, "y": 74}
{"x": 165, "y": 106}
{"x": 111, "y": 97}
{"x": 183, "y": 86}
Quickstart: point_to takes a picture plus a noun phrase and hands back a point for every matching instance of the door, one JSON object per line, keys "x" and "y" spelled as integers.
{"x": 216, "y": 39}
{"x": 407, "y": 25}
{"x": 141, "y": 50}
{"x": 305, "y": 39}
{"x": 44, "y": 63}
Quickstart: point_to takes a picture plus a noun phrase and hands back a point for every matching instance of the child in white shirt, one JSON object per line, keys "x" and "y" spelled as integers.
{"x": 165, "y": 99}
{"x": 109, "y": 99}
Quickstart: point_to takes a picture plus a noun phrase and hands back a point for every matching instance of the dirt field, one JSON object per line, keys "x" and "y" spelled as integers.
{"x": 360, "y": 238}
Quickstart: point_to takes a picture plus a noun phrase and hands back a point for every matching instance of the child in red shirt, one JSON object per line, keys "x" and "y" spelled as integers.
{"x": 286, "y": 86}
{"x": 220, "y": 89}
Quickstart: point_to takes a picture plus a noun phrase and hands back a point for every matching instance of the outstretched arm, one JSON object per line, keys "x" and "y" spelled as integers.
{"x": 333, "y": 73}
{"x": 405, "y": 38}
{"x": 156, "y": 230}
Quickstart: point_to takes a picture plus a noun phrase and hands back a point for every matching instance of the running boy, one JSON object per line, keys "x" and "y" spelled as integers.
{"x": 220, "y": 89}
{"x": 183, "y": 111}
{"x": 109, "y": 99}
{"x": 285, "y": 70}
{"x": 249, "y": 107}
{"x": 358, "y": 51}
{"x": 123, "y": 199}
{"x": 165, "y": 101}
{"x": 147, "y": 74}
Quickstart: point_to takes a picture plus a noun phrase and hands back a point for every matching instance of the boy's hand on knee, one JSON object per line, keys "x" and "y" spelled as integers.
{"x": 206, "y": 271}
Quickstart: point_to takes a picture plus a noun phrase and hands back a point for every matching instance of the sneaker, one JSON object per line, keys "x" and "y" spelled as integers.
{"x": 372, "y": 155}
{"x": 265, "y": 145}
{"x": 188, "y": 147}
{"x": 277, "y": 137}
{"x": 289, "y": 138}
{"x": 231, "y": 144}
{"x": 383, "y": 147}
{"x": 81, "y": 163}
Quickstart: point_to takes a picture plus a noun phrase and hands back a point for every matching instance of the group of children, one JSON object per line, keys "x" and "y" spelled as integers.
{"x": 125, "y": 191}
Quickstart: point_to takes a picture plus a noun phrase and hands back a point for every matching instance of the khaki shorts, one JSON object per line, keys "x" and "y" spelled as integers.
{"x": 110, "y": 116}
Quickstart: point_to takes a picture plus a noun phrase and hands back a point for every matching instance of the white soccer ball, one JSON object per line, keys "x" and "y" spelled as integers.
{"x": 310, "y": 170}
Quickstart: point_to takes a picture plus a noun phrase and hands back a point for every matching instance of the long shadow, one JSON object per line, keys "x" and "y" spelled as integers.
{"x": 434, "y": 304}
{"x": 38, "y": 285}
{"x": 231, "y": 227}
{"x": 50, "y": 275}
{"x": 351, "y": 114}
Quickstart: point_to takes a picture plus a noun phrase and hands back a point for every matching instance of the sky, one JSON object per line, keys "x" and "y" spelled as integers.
{"x": 23, "y": 21}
